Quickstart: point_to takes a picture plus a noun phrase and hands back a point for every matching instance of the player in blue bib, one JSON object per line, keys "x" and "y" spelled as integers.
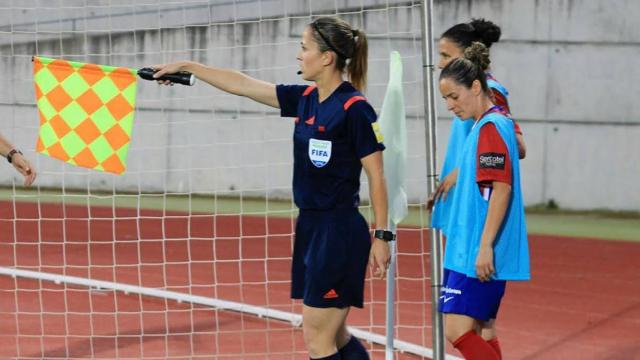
{"x": 487, "y": 241}
{"x": 335, "y": 136}
{"x": 451, "y": 46}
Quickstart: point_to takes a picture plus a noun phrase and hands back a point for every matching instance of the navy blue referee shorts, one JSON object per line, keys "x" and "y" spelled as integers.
{"x": 330, "y": 257}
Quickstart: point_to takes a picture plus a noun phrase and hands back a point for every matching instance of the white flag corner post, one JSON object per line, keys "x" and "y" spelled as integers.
{"x": 394, "y": 131}
{"x": 428, "y": 83}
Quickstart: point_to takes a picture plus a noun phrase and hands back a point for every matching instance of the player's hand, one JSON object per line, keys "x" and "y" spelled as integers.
{"x": 24, "y": 168}
{"x": 379, "y": 258}
{"x": 163, "y": 69}
{"x": 484, "y": 263}
{"x": 443, "y": 189}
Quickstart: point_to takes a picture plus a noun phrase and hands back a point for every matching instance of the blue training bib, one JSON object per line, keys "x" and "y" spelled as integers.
{"x": 469, "y": 212}
{"x": 458, "y": 134}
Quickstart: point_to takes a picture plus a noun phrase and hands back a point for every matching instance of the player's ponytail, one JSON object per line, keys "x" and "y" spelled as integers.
{"x": 357, "y": 68}
{"x": 349, "y": 45}
{"x": 478, "y": 54}
{"x": 464, "y": 71}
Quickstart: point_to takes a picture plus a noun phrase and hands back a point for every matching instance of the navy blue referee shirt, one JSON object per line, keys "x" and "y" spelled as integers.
{"x": 329, "y": 140}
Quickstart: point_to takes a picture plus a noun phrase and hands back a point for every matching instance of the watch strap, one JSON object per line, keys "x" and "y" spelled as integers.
{"x": 385, "y": 235}
{"x": 11, "y": 154}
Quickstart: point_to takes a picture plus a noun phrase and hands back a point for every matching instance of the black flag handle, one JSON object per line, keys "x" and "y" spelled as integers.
{"x": 182, "y": 77}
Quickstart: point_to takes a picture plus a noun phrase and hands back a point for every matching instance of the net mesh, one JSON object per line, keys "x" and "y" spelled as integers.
{"x": 204, "y": 208}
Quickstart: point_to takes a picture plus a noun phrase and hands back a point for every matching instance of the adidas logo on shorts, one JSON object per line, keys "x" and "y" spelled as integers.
{"x": 331, "y": 294}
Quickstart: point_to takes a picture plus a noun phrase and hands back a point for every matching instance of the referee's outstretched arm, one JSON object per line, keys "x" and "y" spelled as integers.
{"x": 229, "y": 80}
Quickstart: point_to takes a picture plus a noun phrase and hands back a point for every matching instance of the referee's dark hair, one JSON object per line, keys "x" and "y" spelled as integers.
{"x": 334, "y": 34}
{"x": 471, "y": 67}
{"x": 481, "y": 30}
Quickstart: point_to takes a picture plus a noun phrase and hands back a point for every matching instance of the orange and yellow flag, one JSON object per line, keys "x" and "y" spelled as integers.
{"x": 86, "y": 112}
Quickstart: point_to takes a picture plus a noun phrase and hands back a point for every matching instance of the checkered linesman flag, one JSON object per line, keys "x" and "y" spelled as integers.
{"x": 86, "y": 112}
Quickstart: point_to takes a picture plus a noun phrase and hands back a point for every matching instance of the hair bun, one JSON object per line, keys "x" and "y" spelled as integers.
{"x": 478, "y": 54}
{"x": 487, "y": 32}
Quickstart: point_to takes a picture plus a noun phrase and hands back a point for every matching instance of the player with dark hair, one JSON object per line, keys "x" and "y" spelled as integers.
{"x": 452, "y": 44}
{"x": 486, "y": 233}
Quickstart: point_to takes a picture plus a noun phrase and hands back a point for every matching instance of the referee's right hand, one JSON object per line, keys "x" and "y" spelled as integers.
{"x": 164, "y": 69}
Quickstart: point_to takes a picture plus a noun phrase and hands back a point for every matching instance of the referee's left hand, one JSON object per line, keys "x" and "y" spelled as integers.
{"x": 379, "y": 258}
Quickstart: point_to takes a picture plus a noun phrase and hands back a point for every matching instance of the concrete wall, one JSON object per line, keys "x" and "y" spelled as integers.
{"x": 571, "y": 68}
{"x": 557, "y": 58}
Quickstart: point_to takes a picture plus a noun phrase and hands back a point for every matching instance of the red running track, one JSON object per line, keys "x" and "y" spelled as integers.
{"x": 583, "y": 303}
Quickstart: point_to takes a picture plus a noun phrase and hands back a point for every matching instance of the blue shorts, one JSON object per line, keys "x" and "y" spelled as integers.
{"x": 469, "y": 296}
{"x": 330, "y": 256}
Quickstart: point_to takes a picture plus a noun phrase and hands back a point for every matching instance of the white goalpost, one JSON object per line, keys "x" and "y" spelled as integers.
{"x": 187, "y": 254}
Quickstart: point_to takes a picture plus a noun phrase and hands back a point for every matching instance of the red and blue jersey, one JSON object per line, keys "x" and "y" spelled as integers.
{"x": 459, "y": 131}
{"x": 493, "y": 162}
{"x": 499, "y": 96}
{"x": 329, "y": 139}
{"x": 469, "y": 209}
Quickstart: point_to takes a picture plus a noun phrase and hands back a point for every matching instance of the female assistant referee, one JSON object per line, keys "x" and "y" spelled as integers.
{"x": 486, "y": 235}
{"x": 335, "y": 136}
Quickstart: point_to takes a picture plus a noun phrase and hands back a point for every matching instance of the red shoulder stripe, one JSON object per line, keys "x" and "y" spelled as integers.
{"x": 352, "y": 100}
{"x": 308, "y": 90}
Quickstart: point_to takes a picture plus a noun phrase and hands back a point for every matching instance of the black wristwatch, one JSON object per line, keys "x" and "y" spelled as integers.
{"x": 11, "y": 153}
{"x": 385, "y": 235}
